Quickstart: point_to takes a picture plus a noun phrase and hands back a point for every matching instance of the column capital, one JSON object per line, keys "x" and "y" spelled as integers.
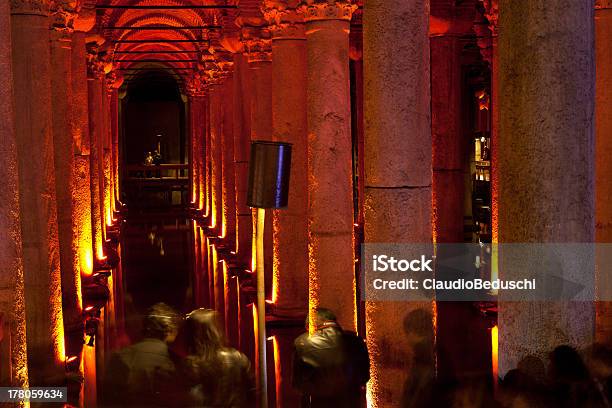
{"x": 95, "y": 66}
{"x": 114, "y": 80}
{"x": 285, "y": 19}
{"x": 34, "y": 7}
{"x": 491, "y": 13}
{"x": 316, "y": 10}
{"x": 62, "y": 15}
{"x": 257, "y": 43}
{"x": 196, "y": 85}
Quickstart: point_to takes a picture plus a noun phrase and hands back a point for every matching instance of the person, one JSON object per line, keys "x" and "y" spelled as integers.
{"x": 141, "y": 375}
{"x": 213, "y": 374}
{"x": 148, "y": 161}
{"x": 571, "y": 384}
{"x": 330, "y": 365}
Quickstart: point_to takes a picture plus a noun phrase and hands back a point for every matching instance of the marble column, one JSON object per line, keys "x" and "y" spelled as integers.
{"x": 227, "y": 148}
{"x": 242, "y": 132}
{"x": 106, "y": 163}
{"x": 603, "y": 151}
{"x": 260, "y": 74}
{"x": 216, "y": 154}
{"x": 95, "y": 88}
{"x": 33, "y": 125}
{"x": 290, "y": 279}
{"x": 546, "y": 167}
{"x": 398, "y": 185}
{"x": 12, "y": 305}
{"x": 330, "y": 187}
{"x": 80, "y": 119}
{"x": 65, "y": 186}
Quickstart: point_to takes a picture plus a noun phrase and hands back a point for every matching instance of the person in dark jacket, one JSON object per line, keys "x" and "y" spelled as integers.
{"x": 213, "y": 374}
{"x": 142, "y": 374}
{"x": 330, "y": 366}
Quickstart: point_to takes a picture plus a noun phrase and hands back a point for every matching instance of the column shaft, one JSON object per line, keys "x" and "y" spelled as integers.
{"x": 330, "y": 187}
{"x": 80, "y": 118}
{"x": 227, "y": 148}
{"x": 61, "y": 94}
{"x": 242, "y": 120}
{"x": 398, "y": 171}
{"x": 95, "y": 155}
{"x": 290, "y": 284}
{"x": 12, "y": 305}
{"x": 546, "y": 149}
{"x": 31, "y": 75}
{"x": 603, "y": 151}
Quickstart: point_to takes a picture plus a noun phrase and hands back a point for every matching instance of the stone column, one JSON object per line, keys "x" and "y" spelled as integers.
{"x": 398, "y": 185}
{"x": 65, "y": 186}
{"x": 545, "y": 156}
{"x": 258, "y": 45}
{"x": 96, "y": 93}
{"x": 115, "y": 82}
{"x": 603, "y": 151}
{"x": 106, "y": 163}
{"x": 290, "y": 279}
{"x": 330, "y": 187}
{"x": 242, "y": 131}
{"x": 227, "y": 148}
{"x": 12, "y": 305}
{"x": 216, "y": 154}
{"x": 31, "y": 75}
{"x": 80, "y": 118}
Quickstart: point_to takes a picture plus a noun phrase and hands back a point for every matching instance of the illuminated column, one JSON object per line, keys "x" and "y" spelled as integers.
{"x": 65, "y": 186}
{"x": 242, "y": 132}
{"x": 448, "y": 146}
{"x": 603, "y": 150}
{"x": 228, "y": 187}
{"x": 546, "y": 150}
{"x": 106, "y": 163}
{"x": 398, "y": 170}
{"x": 30, "y": 38}
{"x": 80, "y": 117}
{"x": 290, "y": 284}
{"x": 330, "y": 189}
{"x": 216, "y": 155}
{"x": 197, "y": 94}
{"x": 12, "y": 305}
{"x": 95, "y": 94}
{"x": 115, "y": 82}
{"x": 258, "y": 46}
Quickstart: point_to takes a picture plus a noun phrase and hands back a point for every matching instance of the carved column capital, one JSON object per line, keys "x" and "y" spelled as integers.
{"x": 257, "y": 43}
{"x": 285, "y": 19}
{"x": 95, "y": 66}
{"x": 315, "y": 10}
{"x": 63, "y": 14}
{"x": 196, "y": 85}
{"x": 34, "y": 7}
{"x": 491, "y": 13}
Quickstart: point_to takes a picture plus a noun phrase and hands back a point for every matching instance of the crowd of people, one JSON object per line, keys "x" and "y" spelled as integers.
{"x": 185, "y": 362}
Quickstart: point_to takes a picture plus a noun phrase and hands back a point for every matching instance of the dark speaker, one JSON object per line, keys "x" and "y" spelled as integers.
{"x": 269, "y": 170}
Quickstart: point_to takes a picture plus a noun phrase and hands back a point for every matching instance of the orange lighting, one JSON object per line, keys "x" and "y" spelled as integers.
{"x": 277, "y": 371}
{"x": 495, "y": 355}
{"x": 86, "y": 259}
{"x": 256, "y": 333}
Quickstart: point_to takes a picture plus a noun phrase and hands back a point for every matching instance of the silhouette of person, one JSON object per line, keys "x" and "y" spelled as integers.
{"x": 141, "y": 375}
{"x": 213, "y": 375}
{"x": 330, "y": 365}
